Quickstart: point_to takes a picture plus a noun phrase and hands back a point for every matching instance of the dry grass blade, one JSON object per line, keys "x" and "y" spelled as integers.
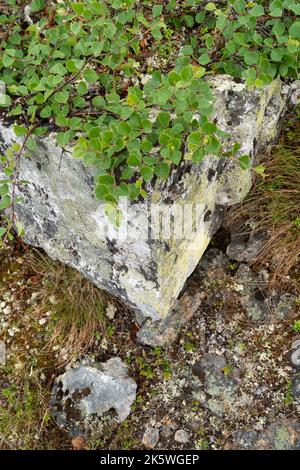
{"x": 77, "y": 303}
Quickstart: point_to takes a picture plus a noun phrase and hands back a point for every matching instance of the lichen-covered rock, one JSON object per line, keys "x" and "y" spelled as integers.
{"x": 182, "y": 436}
{"x": 150, "y": 437}
{"x": 210, "y": 375}
{"x": 281, "y": 435}
{"x": 146, "y": 267}
{"x": 260, "y": 302}
{"x": 295, "y": 355}
{"x": 243, "y": 248}
{"x": 296, "y": 386}
{"x": 84, "y": 394}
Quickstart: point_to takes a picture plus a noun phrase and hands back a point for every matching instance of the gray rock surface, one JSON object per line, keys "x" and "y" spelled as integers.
{"x": 296, "y": 386}
{"x": 244, "y": 249}
{"x": 151, "y": 437}
{"x": 61, "y": 215}
{"x": 83, "y": 395}
{"x": 219, "y": 385}
{"x": 281, "y": 435}
{"x": 295, "y": 355}
{"x": 182, "y": 436}
{"x": 260, "y": 302}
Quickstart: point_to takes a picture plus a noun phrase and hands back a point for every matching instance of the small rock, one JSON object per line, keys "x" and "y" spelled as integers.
{"x": 88, "y": 392}
{"x": 111, "y": 311}
{"x": 151, "y": 437}
{"x": 281, "y": 435}
{"x": 7, "y": 296}
{"x": 33, "y": 298}
{"x": 216, "y": 407}
{"x": 53, "y": 300}
{"x": 78, "y": 443}
{"x": 213, "y": 263}
{"x": 296, "y": 386}
{"x": 42, "y": 321}
{"x": 182, "y": 436}
{"x": 295, "y": 97}
{"x": 283, "y": 304}
{"x": 296, "y": 344}
{"x": 166, "y": 431}
{"x": 260, "y": 302}
{"x": 244, "y": 248}
{"x": 295, "y": 357}
{"x": 7, "y": 310}
{"x": 219, "y": 389}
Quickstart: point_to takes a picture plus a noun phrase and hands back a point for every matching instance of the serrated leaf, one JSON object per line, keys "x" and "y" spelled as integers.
{"x": 63, "y": 138}
{"x": 58, "y": 69}
{"x": 147, "y": 173}
{"x": 90, "y": 75}
{"x": 251, "y": 57}
{"x": 146, "y": 146}
{"x": 204, "y": 59}
{"x": 187, "y": 73}
{"x": 260, "y": 169}
{"x": 61, "y": 121}
{"x": 173, "y": 77}
{"x": 4, "y": 189}
{"x": 19, "y": 229}
{"x": 108, "y": 180}
{"x": 164, "y": 119}
{"x": 5, "y": 100}
{"x": 20, "y": 131}
{"x": 5, "y": 202}
{"x": 198, "y": 155}
{"x": 162, "y": 170}
{"x": 294, "y": 30}
{"x": 7, "y": 61}
{"x": 31, "y": 144}
{"x": 134, "y": 160}
{"x": 156, "y": 10}
{"x": 194, "y": 139}
{"x": 245, "y": 162}
{"x": 37, "y": 5}
{"x": 99, "y": 101}
{"x": 101, "y": 190}
{"x": 256, "y": 11}
{"x": 163, "y": 95}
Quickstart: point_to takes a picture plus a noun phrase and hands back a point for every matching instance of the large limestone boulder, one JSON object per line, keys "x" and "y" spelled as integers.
{"x": 148, "y": 259}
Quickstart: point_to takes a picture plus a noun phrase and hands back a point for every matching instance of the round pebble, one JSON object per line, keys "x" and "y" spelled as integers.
{"x": 182, "y": 436}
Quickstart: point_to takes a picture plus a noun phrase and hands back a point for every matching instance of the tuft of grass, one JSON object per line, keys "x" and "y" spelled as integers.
{"x": 77, "y": 305}
{"x": 59, "y": 315}
{"x": 273, "y": 206}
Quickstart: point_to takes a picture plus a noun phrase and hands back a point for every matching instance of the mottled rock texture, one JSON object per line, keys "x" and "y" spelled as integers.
{"x": 283, "y": 434}
{"x": 86, "y": 393}
{"x": 61, "y": 215}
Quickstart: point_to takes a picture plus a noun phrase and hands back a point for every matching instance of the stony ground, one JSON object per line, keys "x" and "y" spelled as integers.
{"x": 229, "y": 381}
